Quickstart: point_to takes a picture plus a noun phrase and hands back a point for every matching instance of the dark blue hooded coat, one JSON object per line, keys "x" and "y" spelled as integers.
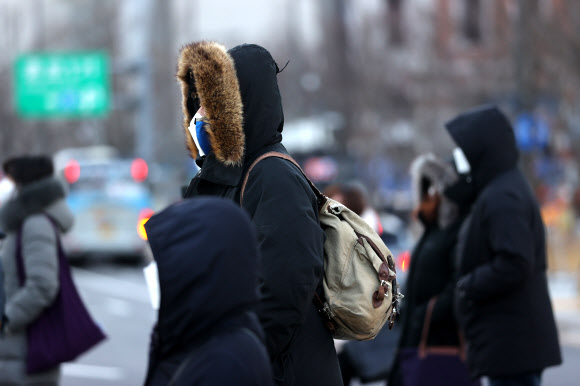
{"x": 502, "y": 302}
{"x": 207, "y": 333}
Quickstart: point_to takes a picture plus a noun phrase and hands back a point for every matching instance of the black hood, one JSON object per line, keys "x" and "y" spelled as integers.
{"x": 487, "y": 139}
{"x": 207, "y": 255}
{"x": 262, "y": 104}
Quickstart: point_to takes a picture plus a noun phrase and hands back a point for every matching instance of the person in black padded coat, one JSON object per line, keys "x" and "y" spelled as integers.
{"x": 207, "y": 331}
{"x": 502, "y": 301}
{"x": 432, "y": 268}
{"x": 243, "y": 119}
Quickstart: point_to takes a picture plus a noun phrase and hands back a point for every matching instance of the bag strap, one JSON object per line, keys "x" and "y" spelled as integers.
{"x": 19, "y": 258}
{"x": 321, "y": 198}
{"x": 424, "y": 350}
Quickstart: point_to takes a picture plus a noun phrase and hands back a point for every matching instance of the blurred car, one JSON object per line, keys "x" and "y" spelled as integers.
{"x": 111, "y": 202}
{"x": 397, "y": 237}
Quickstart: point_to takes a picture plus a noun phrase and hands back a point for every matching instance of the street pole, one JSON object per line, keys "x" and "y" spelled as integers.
{"x": 524, "y": 56}
{"x": 144, "y": 131}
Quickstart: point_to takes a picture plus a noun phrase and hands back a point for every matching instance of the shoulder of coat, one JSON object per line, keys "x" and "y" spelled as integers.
{"x": 35, "y": 224}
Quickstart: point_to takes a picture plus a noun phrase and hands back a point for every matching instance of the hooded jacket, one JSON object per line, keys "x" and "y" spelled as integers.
{"x": 239, "y": 91}
{"x": 432, "y": 269}
{"x": 207, "y": 260}
{"x": 39, "y": 251}
{"x": 502, "y": 303}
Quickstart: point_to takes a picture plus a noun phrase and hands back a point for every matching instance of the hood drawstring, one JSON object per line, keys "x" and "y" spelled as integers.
{"x": 278, "y": 69}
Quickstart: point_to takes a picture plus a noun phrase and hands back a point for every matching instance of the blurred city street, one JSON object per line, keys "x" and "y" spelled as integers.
{"x": 117, "y": 298}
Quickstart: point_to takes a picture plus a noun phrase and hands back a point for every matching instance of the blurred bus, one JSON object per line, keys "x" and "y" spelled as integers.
{"x": 111, "y": 201}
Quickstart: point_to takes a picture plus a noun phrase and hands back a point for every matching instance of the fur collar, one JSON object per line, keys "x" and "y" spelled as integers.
{"x": 217, "y": 87}
{"x": 441, "y": 176}
{"x": 30, "y": 199}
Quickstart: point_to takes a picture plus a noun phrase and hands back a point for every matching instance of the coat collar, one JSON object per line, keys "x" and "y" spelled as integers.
{"x": 31, "y": 199}
{"x": 216, "y": 172}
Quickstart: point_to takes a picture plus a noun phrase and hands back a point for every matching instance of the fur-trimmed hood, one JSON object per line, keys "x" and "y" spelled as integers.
{"x": 46, "y": 195}
{"x": 239, "y": 92}
{"x": 441, "y": 176}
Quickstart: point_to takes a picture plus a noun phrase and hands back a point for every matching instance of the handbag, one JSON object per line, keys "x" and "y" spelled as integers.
{"x": 65, "y": 329}
{"x": 434, "y": 365}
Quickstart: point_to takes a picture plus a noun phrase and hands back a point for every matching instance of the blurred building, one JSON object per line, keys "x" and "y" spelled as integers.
{"x": 388, "y": 73}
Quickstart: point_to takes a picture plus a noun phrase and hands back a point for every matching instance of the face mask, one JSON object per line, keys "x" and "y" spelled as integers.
{"x": 461, "y": 163}
{"x": 7, "y": 189}
{"x": 197, "y": 129}
{"x": 152, "y": 280}
{"x": 463, "y": 191}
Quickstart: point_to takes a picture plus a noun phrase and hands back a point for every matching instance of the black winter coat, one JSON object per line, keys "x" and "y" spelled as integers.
{"x": 207, "y": 332}
{"x": 432, "y": 273}
{"x": 502, "y": 302}
{"x": 282, "y": 207}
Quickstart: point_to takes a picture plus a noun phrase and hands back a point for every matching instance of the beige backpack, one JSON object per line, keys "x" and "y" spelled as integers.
{"x": 360, "y": 288}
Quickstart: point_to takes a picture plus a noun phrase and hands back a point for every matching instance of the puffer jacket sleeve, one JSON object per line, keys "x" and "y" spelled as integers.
{"x": 509, "y": 237}
{"x": 39, "y": 252}
{"x": 283, "y": 209}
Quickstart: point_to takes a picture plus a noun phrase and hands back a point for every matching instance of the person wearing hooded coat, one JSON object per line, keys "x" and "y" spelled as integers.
{"x": 502, "y": 302}
{"x": 432, "y": 269}
{"x": 239, "y": 92}
{"x": 207, "y": 332}
{"x": 38, "y": 194}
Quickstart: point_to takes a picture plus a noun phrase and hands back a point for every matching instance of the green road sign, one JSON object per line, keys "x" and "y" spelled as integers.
{"x": 62, "y": 85}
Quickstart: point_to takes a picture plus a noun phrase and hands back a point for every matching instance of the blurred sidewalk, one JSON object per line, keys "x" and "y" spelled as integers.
{"x": 566, "y": 301}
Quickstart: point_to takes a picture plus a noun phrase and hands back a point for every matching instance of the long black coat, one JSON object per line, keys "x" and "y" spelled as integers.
{"x": 432, "y": 273}
{"x": 207, "y": 332}
{"x": 283, "y": 209}
{"x": 502, "y": 302}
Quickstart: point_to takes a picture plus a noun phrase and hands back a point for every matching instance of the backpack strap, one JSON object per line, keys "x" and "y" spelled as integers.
{"x": 18, "y": 256}
{"x": 321, "y": 198}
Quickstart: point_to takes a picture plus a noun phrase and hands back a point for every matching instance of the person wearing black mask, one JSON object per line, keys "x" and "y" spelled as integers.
{"x": 502, "y": 302}
{"x": 233, "y": 114}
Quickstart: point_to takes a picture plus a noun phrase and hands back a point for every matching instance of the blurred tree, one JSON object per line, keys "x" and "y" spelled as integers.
{"x": 395, "y": 22}
{"x": 339, "y": 80}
